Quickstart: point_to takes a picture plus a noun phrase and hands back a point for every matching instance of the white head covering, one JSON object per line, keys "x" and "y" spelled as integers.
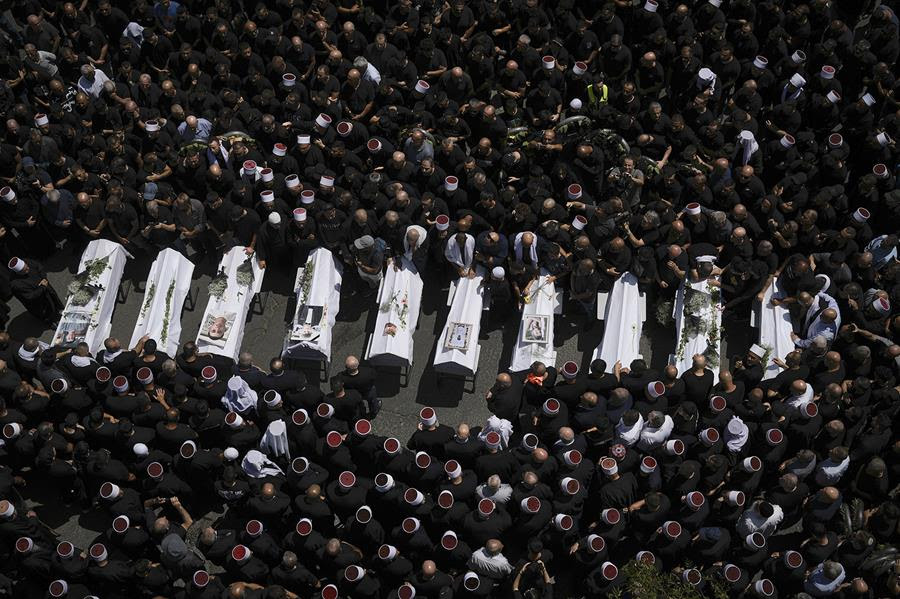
{"x": 239, "y": 397}
{"x": 408, "y": 251}
{"x": 748, "y": 144}
{"x": 257, "y": 465}
{"x": 736, "y": 434}
{"x": 275, "y": 441}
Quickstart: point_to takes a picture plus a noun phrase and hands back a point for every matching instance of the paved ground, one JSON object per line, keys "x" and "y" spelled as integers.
{"x": 264, "y": 335}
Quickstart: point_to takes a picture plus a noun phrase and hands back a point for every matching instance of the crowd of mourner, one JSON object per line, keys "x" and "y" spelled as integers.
{"x": 749, "y": 144}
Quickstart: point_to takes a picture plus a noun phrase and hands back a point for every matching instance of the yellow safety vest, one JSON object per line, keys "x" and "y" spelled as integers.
{"x": 593, "y": 98}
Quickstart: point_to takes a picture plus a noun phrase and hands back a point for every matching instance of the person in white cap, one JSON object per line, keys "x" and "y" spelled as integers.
{"x": 29, "y": 284}
{"x": 271, "y": 242}
{"x": 369, "y": 256}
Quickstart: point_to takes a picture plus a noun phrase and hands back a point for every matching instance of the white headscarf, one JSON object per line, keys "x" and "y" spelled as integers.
{"x": 82, "y": 361}
{"x": 257, "y": 465}
{"x": 737, "y": 438}
{"x": 501, "y": 426}
{"x": 517, "y": 248}
{"x": 408, "y": 251}
{"x": 454, "y": 254}
{"x": 749, "y": 145}
{"x": 630, "y": 436}
{"x": 239, "y": 397}
{"x": 110, "y": 356}
{"x": 274, "y": 441}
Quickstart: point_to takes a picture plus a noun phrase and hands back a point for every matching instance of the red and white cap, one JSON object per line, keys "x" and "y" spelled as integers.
{"x": 200, "y": 578}
{"x": 692, "y": 208}
{"x": 16, "y": 264}
{"x": 7, "y": 194}
{"x": 406, "y": 591}
{"x": 609, "y": 571}
{"x": 303, "y": 140}
{"x": 572, "y": 457}
{"x": 549, "y": 62}
{"x": 346, "y": 479}
{"x": 155, "y": 470}
{"x": 120, "y": 384}
{"x": 835, "y": 140}
{"x": 423, "y": 460}
{"x": 574, "y": 191}
{"x": 98, "y": 552}
{"x": 868, "y": 99}
{"x": 486, "y": 507}
{"x": 579, "y": 222}
{"x": 41, "y": 119}
{"x": 751, "y": 464}
{"x": 530, "y": 504}
{"x": 735, "y": 498}
{"x": 344, "y": 128}
{"x": 810, "y": 410}
{"x": 755, "y": 540}
{"x": 882, "y": 306}
{"x": 413, "y": 497}
{"x": 12, "y": 430}
{"x": 760, "y": 62}
{"x": 249, "y": 168}
{"x": 611, "y": 516}
{"x": 65, "y": 550}
{"x": 563, "y": 522}
{"x": 827, "y": 72}
{"x": 362, "y": 427}
{"x": 793, "y": 559}
{"x": 764, "y": 587}
{"x": 774, "y": 436}
{"x": 59, "y": 386}
{"x": 694, "y": 500}
{"x": 187, "y": 449}
{"x": 329, "y": 591}
{"x": 452, "y": 469}
{"x": 569, "y": 485}
{"x": 648, "y": 464}
{"x": 151, "y": 126}
{"x": 645, "y": 557}
{"x": 307, "y": 196}
{"x": 373, "y": 145}
{"x": 24, "y": 544}
{"x": 363, "y": 514}
{"x": 449, "y": 540}
{"x": 671, "y": 529}
{"x": 833, "y": 97}
{"x": 120, "y": 524}
{"x": 299, "y": 214}
{"x": 656, "y": 389}
{"x": 279, "y": 149}
{"x": 241, "y": 553}
{"x": 272, "y": 398}
{"x": 289, "y": 80}
{"x": 144, "y": 375}
{"x": 445, "y": 499}
{"x": 883, "y": 139}
{"x": 880, "y": 170}
{"x": 692, "y": 576}
{"x": 530, "y": 441}
{"x": 300, "y": 417}
{"x": 493, "y": 440}
{"x": 209, "y": 374}
{"x": 427, "y": 416}
{"x": 471, "y": 581}
{"x": 326, "y": 181}
{"x": 304, "y": 527}
{"x": 353, "y": 573}
{"x": 324, "y": 410}
{"x": 254, "y": 528}
{"x": 323, "y": 120}
{"x": 391, "y": 446}
{"x": 651, "y": 5}
{"x": 387, "y": 552}
{"x": 674, "y": 447}
{"x": 422, "y": 87}
{"x": 787, "y": 140}
{"x": 569, "y": 370}
{"x": 410, "y": 525}
{"x": 609, "y": 466}
{"x": 595, "y": 543}
{"x": 717, "y": 403}
{"x": 267, "y": 175}
{"x": 579, "y": 68}
{"x": 798, "y": 56}
{"x": 109, "y": 490}
{"x": 551, "y": 407}
{"x": 233, "y": 420}
{"x": 618, "y": 451}
{"x": 442, "y": 222}
{"x": 58, "y": 588}
{"x": 709, "y": 436}
{"x": 451, "y": 183}
{"x": 292, "y": 181}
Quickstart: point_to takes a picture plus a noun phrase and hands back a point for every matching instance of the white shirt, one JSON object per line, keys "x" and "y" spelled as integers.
{"x": 93, "y": 88}
{"x": 751, "y": 521}
{"x": 372, "y": 74}
{"x": 652, "y": 437}
{"x": 629, "y": 436}
{"x": 490, "y": 565}
{"x": 829, "y": 472}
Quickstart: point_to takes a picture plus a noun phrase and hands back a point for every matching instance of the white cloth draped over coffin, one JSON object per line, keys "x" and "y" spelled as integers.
{"x": 305, "y": 339}
{"x": 236, "y": 300}
{"x": 543, "y": 303}
{"x": 624, "y": 315}
{"x": 468, "y": 301}
{"x": 697, "y": 344}
{"x": 100, "y": 309}
{"x": 775, "y": 330}
{"x": 168, "y": 268}
{"x": 399, "y": 298}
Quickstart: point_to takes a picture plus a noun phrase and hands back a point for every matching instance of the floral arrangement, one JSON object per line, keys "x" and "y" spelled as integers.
{"x": 693, "y": 324}
{"x": 399, "y": 305}
{"x": 664, "y": 313}
{"x": 83, "y": 286}
{"x": 218, "y": 284}
{"x": 164, "y": 334}
{"x": 306, "y": 281}
{"x": 148, "y": 299}
{"x": 244, "y": 273}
